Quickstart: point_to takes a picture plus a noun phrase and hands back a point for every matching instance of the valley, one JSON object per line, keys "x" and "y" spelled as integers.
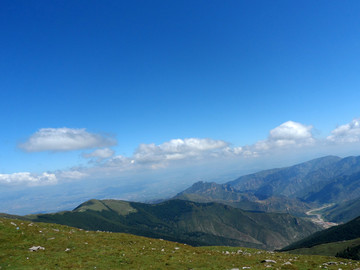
{"x": 317, "y": 217}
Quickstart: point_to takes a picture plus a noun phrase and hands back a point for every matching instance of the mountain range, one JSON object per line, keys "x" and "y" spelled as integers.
{"x": 295, "y": 189}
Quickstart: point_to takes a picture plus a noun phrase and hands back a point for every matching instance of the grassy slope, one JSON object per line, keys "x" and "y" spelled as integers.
{"x": 102, "y": 250}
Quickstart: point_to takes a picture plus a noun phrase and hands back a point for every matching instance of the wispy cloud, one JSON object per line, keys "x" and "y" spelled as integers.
{"x": 177, "y": 149}
{"x": 65, "y": 139}
{"x": 100, "y": 154}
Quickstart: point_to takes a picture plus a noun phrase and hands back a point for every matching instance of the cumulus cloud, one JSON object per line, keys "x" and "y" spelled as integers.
{"x": 65, "y": 139}
{"x": 287, "y": 134}
{"x": 100, "y": 154}
{"x": 348, "y": 133}
{"x": 28, "y": 178}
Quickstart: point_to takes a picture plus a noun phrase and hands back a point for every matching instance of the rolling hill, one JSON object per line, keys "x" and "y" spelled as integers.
{"x": 187, "y": 222}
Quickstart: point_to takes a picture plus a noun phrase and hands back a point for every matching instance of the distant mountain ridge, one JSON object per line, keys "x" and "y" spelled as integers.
{"x": 226, "y": 194}
{"x": 187, "y": 222}
{"x": 287, "y": 181}
{"x": 294, "y": 189}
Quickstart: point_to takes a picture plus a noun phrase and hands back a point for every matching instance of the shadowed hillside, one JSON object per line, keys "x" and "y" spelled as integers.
{"x": 187, "y": 222}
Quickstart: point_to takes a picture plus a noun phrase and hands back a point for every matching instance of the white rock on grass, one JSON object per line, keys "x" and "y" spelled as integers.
{"x": 36, "y": 248}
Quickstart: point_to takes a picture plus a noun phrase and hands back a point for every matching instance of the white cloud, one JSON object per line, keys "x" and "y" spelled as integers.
{"x": 178, "y": 149}
{"x": 28, "y": 178}
{"x": 287, "y": 134}
{"x": 65, "y": 139}
{"x": 100, "y": 154}
{"x": 190, "y": 151}
{"x": 348, "y": 133}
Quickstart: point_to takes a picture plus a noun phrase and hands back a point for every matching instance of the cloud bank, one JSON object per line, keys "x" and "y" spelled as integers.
{"x": 65, "y": 139}
{"x": 287, "y": 136}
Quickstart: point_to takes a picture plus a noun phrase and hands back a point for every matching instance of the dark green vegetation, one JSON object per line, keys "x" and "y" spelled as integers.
{"x": 294, "y": 189}
{"x": 198, "y": 224}
{"x": 71, "y": 248}
{"x": 342, "y": 240}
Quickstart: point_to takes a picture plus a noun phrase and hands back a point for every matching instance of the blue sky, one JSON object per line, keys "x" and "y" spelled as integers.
{"x": 86, "y": 83}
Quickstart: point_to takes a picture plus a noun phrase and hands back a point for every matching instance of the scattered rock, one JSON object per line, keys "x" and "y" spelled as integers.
{"x": 36, "y": 248}
{"x": 287, "y": 263}
{"x": 268, "y": 261}
{"x": 330, "y": 263}
{"x": 67, "y": 249}
{"x": 12, "y": 223}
